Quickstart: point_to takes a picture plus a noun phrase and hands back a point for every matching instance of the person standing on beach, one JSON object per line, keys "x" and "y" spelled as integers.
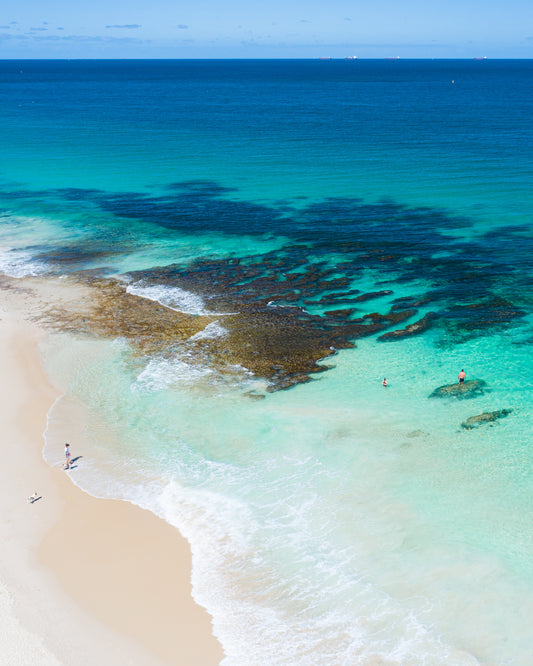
{"x": 67, "y": 456}
{"x": 462, "y": 376}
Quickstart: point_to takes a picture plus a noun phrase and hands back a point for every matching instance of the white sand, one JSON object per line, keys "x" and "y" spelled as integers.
{"x": 83, "y": 581}
{"x": 19, "y": 646}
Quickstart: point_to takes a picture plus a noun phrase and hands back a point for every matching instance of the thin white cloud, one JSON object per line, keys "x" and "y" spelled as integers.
{"x": 83, "y": 39}
{"x": 127, "y": 26}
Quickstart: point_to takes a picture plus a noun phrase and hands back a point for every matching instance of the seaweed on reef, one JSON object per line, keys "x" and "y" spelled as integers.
{"x": 74, "y": 255}
{"x": 108, "y": 310}
{"x": 468, "y": 284}
{"x": 282, "y": 344}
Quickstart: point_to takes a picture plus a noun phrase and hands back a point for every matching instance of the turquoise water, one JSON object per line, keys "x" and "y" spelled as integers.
{"x": 337, "y": 522}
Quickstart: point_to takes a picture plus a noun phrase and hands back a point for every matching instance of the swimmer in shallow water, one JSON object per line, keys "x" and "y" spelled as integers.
{"x": 384, "y": 382}
{"x": 462, "y": 376}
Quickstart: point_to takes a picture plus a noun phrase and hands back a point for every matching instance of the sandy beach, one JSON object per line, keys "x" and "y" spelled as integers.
{"x": 82, "y": 580}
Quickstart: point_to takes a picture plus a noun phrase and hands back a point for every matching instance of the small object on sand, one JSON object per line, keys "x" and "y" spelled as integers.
{"x": 32, "y": 498}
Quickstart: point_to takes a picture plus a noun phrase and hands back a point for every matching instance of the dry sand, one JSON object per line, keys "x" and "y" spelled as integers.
{"x": 83, "y": 581}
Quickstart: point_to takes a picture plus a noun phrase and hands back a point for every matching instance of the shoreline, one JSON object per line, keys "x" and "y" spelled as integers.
{"x": 90, "y": 580}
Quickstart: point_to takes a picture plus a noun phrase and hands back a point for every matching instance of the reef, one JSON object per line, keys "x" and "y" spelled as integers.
{"x": 288, "y": 309}
{"x": 469, "y": 389}
{"x": 416, "y": 328}
{"x": 258, "y": 302}
{"x": 487, "y": 417}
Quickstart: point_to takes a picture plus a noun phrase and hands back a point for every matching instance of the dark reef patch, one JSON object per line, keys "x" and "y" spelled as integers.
{"x": 74, "y": 257}
{"x": 295, "y": 305}
{"x": 416, "y": 328}
{"x": 487, "y": 417}
{"x": 206, "y": 187}
{"x": 469, "y": 389}
{"x": 493, "y": 311}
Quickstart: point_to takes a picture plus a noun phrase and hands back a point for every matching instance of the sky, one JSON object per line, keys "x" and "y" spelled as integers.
{"x": 266, "y": 28}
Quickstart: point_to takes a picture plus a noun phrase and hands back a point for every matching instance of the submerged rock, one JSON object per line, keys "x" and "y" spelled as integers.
{"x": 413, "y": 329}
{"x": 371, "y": 295}
{"x": 486, "y": 417}
{"x": 288, "y": 381}
{"x": 488, "y": 312}
{"x": 469, "y": 389}
{"x": 340, "y": 314}
{"x": 254, "y": 396}
{"x": 409, "y": 302}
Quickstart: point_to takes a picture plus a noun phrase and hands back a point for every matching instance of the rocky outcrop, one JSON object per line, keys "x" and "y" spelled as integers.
{"x": 413, "y": 329}
{"x": 486, "y": 417}
{"x": 468, "y": 389}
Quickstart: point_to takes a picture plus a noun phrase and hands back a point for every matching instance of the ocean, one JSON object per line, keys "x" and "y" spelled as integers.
{"x": 261, "y": 243}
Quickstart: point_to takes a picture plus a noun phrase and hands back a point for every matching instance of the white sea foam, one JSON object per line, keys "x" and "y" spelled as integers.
{"x": 19, "y": 264}
{"x": 264, "y": 619}
{"x": 212, "y": 330}
{"x": 162, "y": 373}
{"x": 174, "y": 298}
{"x": 182, "y": 371}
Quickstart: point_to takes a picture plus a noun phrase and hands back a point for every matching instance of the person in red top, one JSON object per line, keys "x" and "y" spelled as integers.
{"x": 462, "y": 376}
